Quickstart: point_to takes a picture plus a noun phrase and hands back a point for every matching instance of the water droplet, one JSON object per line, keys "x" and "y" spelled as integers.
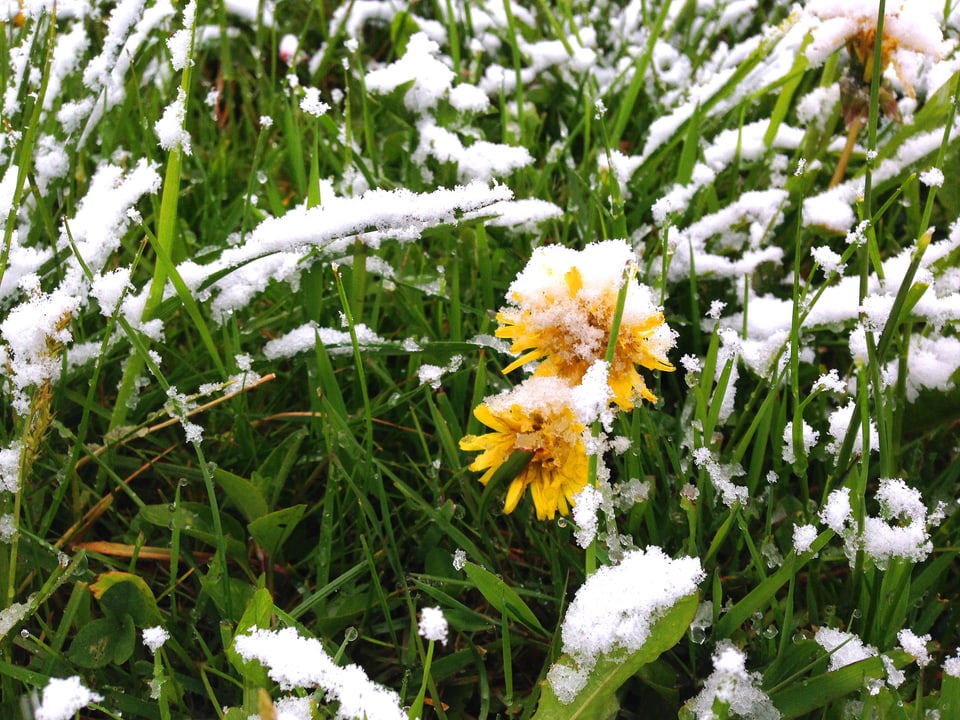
{"x": 63, "y": 559}
{"x": 770, "y": 632}
{"x": 799, "y": 637}
{"x": 561, "y": 522}
{"x": 698, "y": 635}
{"x": 24, "y": 633}
{"x": 829, "y": 610}
{"x": 172, "y": 507}
{"x": 261, "y": 177}
{"x": 183, "y": 482}
{"x": 350, "y": 634}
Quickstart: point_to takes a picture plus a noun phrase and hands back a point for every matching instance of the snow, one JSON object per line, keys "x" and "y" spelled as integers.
{"x": 845, "y": 648}
{"x": 109, "y": 288}
{"x": 916, "y": 645}
{"x": 298, "y": 662}
{"x": 63, "y": 698}
{"x": 827, "y": 259}
{"x": 29, "y": 330}
{"x": 520, "y": 216}
{"x": 901, "y": 529}
{"x": 912, "y": 25}
{"x": 479, "y": 161}
{"x": 809, "y": 438}
{"x": 837, "y": 513}
{"x": 732, "y": 684}
{"x": 155, "y": 637}
{"x": 433, "y": 625}
{"x": 803, "y": 537}
{"x": 432, "y": 374}
{"x": 932, "y": 177}
{"x": 586, "y": 505}
{"x": 615, "y": 609}
{"x": 13, "y": 615}
{"x": 169, "y": 128}
{"x": 311, "y": 102}
{"x": 180, "y": 42}
{"x": 591, "y": 398}
{"x": 431, "y": 78}
{"x": 304, "y": 339}
{"x": 275, "y": 248}
{"x": 840, "y": 420}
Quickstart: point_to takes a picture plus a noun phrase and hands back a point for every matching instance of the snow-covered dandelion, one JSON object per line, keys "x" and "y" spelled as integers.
{"x": 906, "y": 28}
{"x": 561, "y": 313}
{"x": 535, "y": 417}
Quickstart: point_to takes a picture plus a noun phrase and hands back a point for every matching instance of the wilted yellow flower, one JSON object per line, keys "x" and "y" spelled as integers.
{"x": 561, "y": 312}
{"x": 535, "y": 417}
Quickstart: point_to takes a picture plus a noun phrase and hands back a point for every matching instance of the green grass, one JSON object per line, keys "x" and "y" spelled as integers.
{"x": 332, "y": 496}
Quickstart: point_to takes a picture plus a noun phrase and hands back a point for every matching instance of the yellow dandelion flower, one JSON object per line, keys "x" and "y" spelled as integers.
{"x": 535, "y": 417}
{"x": 561, "y": 310}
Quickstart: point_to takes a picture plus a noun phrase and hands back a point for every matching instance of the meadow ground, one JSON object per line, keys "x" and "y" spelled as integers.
{"x": 477, "y": 359}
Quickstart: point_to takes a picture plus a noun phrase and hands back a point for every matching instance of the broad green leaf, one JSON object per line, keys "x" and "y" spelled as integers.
{"x": 817, "y": 692}
{"x": 598, "y": 698}
{"x": 216, "y": 587}
{"x": 503, "y": 597}
{"x": 273, "y": 529}
{"x": 244, "y": 494}
{"x": 103, "y": 641}
{"x": 196, "y": 520}
{"x": 126, "y": 639}
{"x": 123, "y": 593}
{"x": 258, "y": 613}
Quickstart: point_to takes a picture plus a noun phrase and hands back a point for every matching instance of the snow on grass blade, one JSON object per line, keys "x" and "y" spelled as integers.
{"x": 597, "y": 699}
